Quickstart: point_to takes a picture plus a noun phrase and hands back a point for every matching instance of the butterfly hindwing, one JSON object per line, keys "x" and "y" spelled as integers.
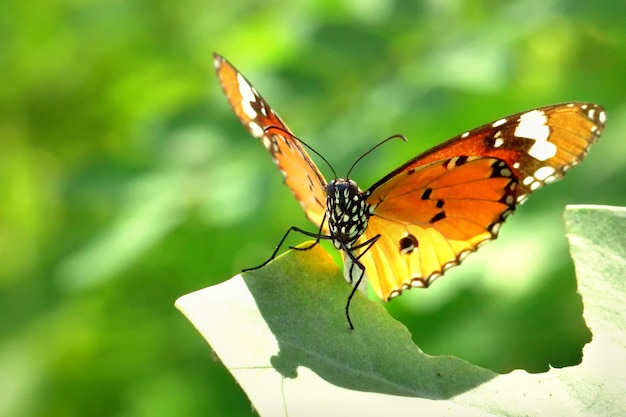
{"x": 301, "y": 174}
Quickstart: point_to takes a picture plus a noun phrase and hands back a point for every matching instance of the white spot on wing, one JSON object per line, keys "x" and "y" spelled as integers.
{"x": 499, "y": 122}
{"x": 464, "y": 254}
{"x": 591, "y": 113}
{"x": 498, "y": 142}
{"x": 247, "y": 97}
{"x": 542, "y": 150}
{"x": 256, "y": 131}
{"x": 543, "y": 173}
{"x": 464, "y": 135}
{"x": 248, "y": 110}
{"x": 532, "y": 125}
{"x": 602, "y": 117}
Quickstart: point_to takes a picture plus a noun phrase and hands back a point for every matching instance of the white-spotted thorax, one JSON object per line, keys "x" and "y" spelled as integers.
{"x": 347, "y": 212}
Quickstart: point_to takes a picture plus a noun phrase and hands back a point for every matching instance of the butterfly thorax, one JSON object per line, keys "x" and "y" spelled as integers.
{"x": 347, "y": 212}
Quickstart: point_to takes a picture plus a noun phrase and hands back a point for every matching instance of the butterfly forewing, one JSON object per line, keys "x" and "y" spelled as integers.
{"x": 538, "y": 145}
{"x": 301, "y": 175}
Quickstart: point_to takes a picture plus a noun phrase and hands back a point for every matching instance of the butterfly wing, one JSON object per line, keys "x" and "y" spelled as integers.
{"x": 301, "y": 174}
{"x": 442, "y": 205}
{"x": 538, "y": 145}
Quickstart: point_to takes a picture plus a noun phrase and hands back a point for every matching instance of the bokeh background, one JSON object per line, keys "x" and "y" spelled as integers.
{"x": 126, "y": 181}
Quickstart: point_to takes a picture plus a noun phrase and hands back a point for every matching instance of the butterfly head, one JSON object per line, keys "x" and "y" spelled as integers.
{"x": 347, "y": 212}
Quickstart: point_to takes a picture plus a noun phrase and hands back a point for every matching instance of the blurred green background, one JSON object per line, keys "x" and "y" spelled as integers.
{"x": 126, "y": 181}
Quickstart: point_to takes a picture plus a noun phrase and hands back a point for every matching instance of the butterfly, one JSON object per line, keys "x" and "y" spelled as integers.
{"x": 427, "y": 215}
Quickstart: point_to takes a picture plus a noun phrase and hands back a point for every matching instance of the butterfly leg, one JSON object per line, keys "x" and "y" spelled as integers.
{"x": 317, "y": 236}
{"x": 355, "y": 262}
{"x": 367, "y": 244}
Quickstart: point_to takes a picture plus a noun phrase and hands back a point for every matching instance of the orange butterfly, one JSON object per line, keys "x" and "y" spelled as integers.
{"x": 429, "y": 214}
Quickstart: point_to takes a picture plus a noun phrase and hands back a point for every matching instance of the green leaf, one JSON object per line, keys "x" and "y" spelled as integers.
{"x": 597, "y": 238}
{"x": 302, "y": 297}
{"x": 282, "y": 332}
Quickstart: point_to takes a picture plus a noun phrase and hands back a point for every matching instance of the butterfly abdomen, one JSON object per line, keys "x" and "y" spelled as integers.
{"x": 347, "y": 212}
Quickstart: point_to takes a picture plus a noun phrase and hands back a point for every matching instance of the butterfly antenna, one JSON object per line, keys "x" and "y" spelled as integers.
{"x": 287, "y": 133}
{"x": 374, "y": 147}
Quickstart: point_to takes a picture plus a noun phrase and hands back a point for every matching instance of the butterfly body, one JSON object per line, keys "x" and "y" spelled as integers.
{"x": 347, "y": 212}
{"x": 428, "y": 214}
